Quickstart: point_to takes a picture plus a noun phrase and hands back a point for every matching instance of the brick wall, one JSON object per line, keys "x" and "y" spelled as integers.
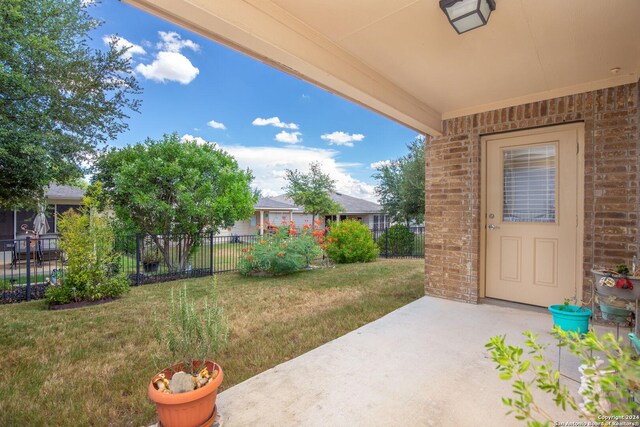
{"x": 612, "y": 194}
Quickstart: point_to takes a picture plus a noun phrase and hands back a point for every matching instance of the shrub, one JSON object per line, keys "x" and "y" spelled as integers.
{"x": 397, "y": 240}
{"x": 607, "y": 391}
{"x": 282, "y": 252}
{"x": 87, "y": 241}
{"x": 351, "y": 241}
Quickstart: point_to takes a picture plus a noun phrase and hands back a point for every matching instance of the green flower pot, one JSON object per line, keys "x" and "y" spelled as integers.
{"x": 571, "y": 318}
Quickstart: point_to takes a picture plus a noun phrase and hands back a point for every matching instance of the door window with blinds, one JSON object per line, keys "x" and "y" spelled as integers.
{"x": 529, "y": 189}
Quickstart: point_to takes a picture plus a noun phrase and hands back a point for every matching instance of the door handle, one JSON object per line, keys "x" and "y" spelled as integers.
{"x": 492, "y": 227}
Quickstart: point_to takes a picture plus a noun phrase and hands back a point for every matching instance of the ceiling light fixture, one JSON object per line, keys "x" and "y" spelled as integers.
{"x": 465, "y": 15}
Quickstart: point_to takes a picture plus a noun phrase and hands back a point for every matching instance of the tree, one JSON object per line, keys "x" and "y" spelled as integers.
{"x": 401, "y": 185}
{"x": 59, "y": 98}
{"x": 312, "y": 191}
{"x": 173, "y": 187}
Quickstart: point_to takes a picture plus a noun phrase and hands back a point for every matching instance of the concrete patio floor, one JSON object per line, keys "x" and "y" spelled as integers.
{"x": 421, "y": 365}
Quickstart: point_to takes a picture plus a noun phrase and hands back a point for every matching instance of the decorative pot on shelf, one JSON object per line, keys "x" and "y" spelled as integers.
{"x": 616, "y": 295}
{"x": 192, "y": 408}
{"x": 571, "y": 318}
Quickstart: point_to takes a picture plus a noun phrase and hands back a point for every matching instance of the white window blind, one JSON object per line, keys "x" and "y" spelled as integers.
{"x": 529, "y": 184}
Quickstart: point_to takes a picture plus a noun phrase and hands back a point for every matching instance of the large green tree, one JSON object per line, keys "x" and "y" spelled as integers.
{"x": 169, "y": 186}
{"x": 59, "y": 98}
{"x": 400, "y": 186}
{"x": 312, "y": 191}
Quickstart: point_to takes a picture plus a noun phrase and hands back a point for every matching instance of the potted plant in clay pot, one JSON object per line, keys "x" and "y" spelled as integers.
{"x": 151, "y": 260}
{"x": 571, "y": 318}
{"x": 616, "y": 291}
{"x": 185, "y": 393}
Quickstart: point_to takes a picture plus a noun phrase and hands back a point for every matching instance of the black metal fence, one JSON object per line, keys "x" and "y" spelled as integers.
{"x": 403, "y": 242}
{"x": 29, "y": 264}
{"x": 161, "y": 258}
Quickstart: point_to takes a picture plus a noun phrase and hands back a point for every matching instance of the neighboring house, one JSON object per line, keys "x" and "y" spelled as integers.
{"x": 546, "y": 92}
{"x": 59, "y": 199}
{"x": 279, "y": 210}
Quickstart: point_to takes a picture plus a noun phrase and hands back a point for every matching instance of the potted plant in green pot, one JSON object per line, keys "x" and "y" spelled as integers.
{"x": 571, "y": 318}
{"x": 151, "y": 260}
{"x": 185, "y": 394}
{"x": 616, "y": 291}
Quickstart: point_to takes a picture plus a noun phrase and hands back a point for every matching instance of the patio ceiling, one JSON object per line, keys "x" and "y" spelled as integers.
{"x": 402, "y": 59}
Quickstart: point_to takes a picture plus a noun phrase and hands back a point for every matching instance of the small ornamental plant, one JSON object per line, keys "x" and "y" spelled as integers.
{"x": 284, "y": 250}
{"x": 192, "y": 330}
{"x": 397, "y": 240}
{"x": 90, "y": 273}
{"x": 351, "y": 241}
{"x": 610, "y": 378}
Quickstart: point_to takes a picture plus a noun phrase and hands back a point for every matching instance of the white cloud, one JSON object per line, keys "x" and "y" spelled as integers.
{"x": 122, "y": 43}
{"x": 170, "y": 41}
{"x": 216, "y": 125}
{"x": 289, "y": 137}
{"x": 268, "y": 165}
{"x": 198, "y": 140}
{"x": 169, "y": 66}
{"x": 342, "y": 138}
{"x": 274, "y": 121}
{"x": 381, "y": 163}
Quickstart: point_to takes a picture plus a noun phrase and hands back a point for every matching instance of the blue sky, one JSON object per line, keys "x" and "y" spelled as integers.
{"x": 268, "y": 120}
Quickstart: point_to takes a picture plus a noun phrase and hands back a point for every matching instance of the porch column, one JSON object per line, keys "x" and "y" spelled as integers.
{"x": 261, "y": 222}
{"x": 290, "y": 216}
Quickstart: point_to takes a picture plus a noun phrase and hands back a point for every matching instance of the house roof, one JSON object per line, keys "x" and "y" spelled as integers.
{"x": 271, "y": 203}
{"x": 403, "y": 59}
{"x": 351, "y": 205}
{"x": 56, "y": 191}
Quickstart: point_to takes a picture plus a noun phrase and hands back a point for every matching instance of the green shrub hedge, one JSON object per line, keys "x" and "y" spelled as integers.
{"x": 351, "y": 241}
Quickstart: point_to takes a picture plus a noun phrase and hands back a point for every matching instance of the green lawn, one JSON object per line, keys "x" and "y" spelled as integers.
{"x": 91, "y": 366}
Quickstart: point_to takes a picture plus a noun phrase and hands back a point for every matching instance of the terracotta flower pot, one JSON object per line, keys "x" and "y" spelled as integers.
{"x": 191, "y": 409}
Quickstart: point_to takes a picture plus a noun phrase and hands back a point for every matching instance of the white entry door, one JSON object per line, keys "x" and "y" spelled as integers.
{"x": 532, "y": 216}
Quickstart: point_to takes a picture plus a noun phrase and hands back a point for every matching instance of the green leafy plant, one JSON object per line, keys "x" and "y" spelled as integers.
{"x": 607, "y": 392}
{"x": 151, "y": 256}
{"x": 170, "y": 186}
{"x": 622, "y": 269}
{"x": 61, "y": 97}
{"x": 87, "y": 239}
{"x": 284, "y": 251}
{"x": 397, "y": 240}
{"x": 312, "y": 191}
{"x": 191, "y": 331}
{"x": 351, "y": 241}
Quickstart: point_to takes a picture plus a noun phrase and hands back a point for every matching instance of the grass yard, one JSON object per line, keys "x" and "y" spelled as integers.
{"x": 91, "y": 366}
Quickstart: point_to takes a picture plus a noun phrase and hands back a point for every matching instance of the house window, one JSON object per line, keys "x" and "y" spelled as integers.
{"x": 6, "y": 225}
{"x": 381, "y": 221}
{"x": 27, "y": 217}
{"x": 529, "y": 188}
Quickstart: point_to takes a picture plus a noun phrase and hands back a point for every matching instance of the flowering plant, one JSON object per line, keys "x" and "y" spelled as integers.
{"x": 282, "y": 251}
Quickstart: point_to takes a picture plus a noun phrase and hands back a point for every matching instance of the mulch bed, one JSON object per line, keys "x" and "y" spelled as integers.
{"x": 146, "y": 279}
{"x": 80, "y": 304}
{"x": 19, "y": 293}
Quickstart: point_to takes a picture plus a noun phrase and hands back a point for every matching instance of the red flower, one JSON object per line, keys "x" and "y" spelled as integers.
{"x": 250, "y": 258}
{"x": 293, "y": 231}
{"x": 280, "y": 254}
